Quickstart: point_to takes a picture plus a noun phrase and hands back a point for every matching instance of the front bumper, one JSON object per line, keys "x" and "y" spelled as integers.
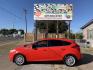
{"x": 11, "y": 55}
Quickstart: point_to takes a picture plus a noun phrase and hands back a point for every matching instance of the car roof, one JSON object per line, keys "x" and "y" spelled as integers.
{"x": 64, "y": 39}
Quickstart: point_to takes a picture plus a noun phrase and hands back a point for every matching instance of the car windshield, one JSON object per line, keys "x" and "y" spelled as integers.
{"x": 40, "y": 44}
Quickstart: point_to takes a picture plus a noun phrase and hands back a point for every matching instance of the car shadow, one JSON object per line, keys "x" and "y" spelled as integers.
{"x": 45, "y": 62}
{"x": 87, "y": 58}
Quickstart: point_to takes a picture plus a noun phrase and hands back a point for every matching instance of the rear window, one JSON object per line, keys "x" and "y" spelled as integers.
{"x": 58, "y": 43}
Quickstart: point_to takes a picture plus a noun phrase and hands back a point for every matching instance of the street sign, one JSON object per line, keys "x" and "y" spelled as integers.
{"x": 52, "y": 11}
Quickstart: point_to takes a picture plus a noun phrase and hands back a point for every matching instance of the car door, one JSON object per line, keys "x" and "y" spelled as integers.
{"x": 39, "y": 52}
{"x": 56, "y": 47}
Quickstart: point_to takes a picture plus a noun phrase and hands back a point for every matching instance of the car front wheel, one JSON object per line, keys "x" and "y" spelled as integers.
{"x": 19, "y": 59}
{"x": 70, "y": 60}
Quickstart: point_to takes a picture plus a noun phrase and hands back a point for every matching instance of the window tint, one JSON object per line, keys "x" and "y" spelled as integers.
{"x": 58, "y": 43}
{"x": 41, "y": 44}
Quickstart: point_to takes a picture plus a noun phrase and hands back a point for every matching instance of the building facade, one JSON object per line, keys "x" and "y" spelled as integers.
{"x": 87, "y": 30}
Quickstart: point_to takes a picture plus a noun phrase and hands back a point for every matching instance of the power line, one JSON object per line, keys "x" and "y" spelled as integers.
{"x": 7, "y": 11}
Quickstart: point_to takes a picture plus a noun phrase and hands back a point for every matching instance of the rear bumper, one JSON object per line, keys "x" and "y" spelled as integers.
{"x": 80, "y": 57}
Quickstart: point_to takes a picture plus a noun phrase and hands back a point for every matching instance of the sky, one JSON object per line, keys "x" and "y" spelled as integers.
{"x": 12, "y": 13}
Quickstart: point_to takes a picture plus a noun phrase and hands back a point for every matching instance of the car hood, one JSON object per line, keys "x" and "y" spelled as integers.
{"x": 24, "y": 46}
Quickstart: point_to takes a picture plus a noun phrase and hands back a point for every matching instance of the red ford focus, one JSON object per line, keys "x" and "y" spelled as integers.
{"x": 47, "y": 50}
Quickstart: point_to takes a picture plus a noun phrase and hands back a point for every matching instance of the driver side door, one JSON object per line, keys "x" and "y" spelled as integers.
{"x": 39, "y": 51}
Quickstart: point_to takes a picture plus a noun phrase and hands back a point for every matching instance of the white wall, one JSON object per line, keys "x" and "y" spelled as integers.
{"x": 85, "y": 32}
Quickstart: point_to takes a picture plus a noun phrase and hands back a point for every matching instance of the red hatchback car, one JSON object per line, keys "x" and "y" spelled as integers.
{"x": 47, "y": 50}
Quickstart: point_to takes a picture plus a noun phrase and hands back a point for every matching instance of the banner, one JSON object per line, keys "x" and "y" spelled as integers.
{"x": 52, "y": 11}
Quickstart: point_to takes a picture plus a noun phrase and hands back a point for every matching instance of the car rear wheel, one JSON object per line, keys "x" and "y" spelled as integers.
{"x": 70, "y": 60}
{"x": 19, "y": 59}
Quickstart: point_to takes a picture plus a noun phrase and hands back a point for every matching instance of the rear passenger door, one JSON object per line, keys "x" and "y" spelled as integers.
{"x": 57, "y": 47}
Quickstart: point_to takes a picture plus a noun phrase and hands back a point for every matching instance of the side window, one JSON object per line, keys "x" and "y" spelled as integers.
{"x": 65, "y": 43}
{"x": 41, "y": 44}
{"x": 57, "y": 43}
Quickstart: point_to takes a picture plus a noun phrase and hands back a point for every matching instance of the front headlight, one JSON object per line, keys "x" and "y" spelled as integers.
{"x": 12, "y": 51}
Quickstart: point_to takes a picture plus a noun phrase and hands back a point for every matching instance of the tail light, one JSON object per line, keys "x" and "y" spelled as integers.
{"x": 76, "y": 47}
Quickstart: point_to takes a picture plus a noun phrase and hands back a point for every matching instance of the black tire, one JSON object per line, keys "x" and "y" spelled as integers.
{"x": 70, "y": 60}
{"x": 19, "y": 59}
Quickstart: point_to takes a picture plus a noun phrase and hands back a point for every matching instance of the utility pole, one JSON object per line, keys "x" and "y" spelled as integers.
{"x": 25, "y": 12}
{"x": 69, "y": 22}
{"x": 46, "y": 33}
{"x": 13, "y": 25}
{"x": 57, "y": 30}
{"x": 35, "y": 32}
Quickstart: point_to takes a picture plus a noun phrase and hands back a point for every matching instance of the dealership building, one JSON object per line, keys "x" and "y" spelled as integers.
{"x": 87, "y": 30}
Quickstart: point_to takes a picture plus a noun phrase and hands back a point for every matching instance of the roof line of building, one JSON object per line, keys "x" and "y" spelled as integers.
{"x": 87, "y": 24}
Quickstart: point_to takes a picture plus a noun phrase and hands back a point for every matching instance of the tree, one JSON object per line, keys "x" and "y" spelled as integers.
{"x": 4, "y": 31}
{"x": 12, "y": 31}
{"x": 52, "y": 27}
{"x": 62, "y": 26}
{"x": 74, "y": 35}
{"x": 79, "y": 36}
{"x": 42, "y": 25}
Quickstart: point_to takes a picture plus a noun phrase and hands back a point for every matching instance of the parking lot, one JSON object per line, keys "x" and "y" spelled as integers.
{"x": 85, "y": 64}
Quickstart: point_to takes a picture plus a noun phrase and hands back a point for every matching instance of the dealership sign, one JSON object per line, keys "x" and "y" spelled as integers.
{"x": 52, "y": 11}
